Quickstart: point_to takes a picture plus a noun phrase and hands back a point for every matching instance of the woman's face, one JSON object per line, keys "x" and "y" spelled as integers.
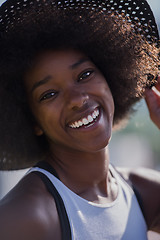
{"x": 70, "y": 100}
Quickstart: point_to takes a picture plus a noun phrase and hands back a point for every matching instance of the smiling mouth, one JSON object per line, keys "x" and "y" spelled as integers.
{"x": 86, "y": 121}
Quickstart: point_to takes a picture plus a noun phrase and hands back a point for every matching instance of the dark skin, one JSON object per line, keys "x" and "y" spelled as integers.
{"x": 64, "y": 87}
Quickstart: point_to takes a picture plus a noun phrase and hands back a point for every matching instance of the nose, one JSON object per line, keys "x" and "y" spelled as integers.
{"x": 76, "y": 98}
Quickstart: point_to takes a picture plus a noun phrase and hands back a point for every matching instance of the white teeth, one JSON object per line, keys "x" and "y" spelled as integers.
{"x": 77, "y": 125}
{"x": 93, "y": 115}
{"x": 85, "y": 121}
{"x": 90, "y": 119}
{"x": 97, "y": 113}
{"x": 80, "y": 123}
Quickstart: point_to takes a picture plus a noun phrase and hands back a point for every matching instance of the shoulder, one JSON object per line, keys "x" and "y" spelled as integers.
{"x": 29, "y": 212}
{"x": 147, "y": 184}
{"x": 141, "y": 176}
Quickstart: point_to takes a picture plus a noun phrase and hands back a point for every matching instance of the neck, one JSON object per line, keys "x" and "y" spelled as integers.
{"x": 81, "y": 171}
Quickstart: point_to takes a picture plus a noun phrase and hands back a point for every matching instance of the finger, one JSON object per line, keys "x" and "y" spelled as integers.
{"x": 153, "y": 103}
{"x": 158, "y": 79}
{"x": 156, "y": 90}
{"x": 150, "y": 99}
{"x": 158, "y": 84}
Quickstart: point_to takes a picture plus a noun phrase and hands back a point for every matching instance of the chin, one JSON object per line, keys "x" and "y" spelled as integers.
{"x": 98, "y": 145}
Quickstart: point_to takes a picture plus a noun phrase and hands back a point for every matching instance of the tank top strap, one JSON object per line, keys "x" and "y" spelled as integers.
{"x": 46, "y": 166}
{"x": 132, "y": 187}
{"x": 64, "y": 221}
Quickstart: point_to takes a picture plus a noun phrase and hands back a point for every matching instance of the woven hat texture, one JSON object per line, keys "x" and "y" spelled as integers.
{"x": 138, "y": 12}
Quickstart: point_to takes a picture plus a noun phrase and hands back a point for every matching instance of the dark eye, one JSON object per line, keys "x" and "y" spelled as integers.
{"x": 85, "y": 75}
{"x": 48, "y": 95}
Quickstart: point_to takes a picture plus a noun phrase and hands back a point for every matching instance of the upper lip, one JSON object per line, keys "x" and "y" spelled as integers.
{"x": 81, "y": 114}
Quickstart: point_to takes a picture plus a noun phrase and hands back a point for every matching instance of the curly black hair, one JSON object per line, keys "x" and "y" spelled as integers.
{"x": 127, "y": 61}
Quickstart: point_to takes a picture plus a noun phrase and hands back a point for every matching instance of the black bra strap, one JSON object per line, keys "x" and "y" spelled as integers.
{"x": 64, "y": 221}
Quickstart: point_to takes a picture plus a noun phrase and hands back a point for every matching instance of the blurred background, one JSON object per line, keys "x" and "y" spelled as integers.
{"x": 138, "y": 144}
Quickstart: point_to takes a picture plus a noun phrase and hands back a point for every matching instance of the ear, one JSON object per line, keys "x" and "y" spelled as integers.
{"x": 38, "y": 131}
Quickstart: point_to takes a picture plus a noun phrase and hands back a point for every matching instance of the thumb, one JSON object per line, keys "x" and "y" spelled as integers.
{"x": 152, "y": 97}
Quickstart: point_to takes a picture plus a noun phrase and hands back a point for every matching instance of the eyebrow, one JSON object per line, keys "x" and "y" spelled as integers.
{"x": 47, "y": 78}
{"x": 41, "y": 82}
{"x": 82, "y": 60}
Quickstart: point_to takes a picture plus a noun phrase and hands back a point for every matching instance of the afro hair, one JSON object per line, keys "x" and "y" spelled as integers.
{"x": 127, "y": 61}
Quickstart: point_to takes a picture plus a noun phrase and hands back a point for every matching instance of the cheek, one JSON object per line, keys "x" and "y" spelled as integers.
{"x": 103, "y": 92}
{"x": 40, "y": 120}
{"x": 107, "y": 99}
{"x": 48, "y": 119}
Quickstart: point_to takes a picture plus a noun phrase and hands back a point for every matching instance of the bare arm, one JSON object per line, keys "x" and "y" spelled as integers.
{"x": 147, "y": 184}
{"x": 16, "y": 224}
{"x": 28, "y": 212}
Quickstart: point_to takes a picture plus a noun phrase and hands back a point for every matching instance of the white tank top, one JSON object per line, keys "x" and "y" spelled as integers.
{"x": 120, "y": 220}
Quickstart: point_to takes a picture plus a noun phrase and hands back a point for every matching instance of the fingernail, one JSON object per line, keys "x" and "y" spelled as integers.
{"x": 156, "y": 91}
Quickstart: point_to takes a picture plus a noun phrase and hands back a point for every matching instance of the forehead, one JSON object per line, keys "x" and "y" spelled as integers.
{"x": 60, "y": 57}
{"x": 53, "y": 63}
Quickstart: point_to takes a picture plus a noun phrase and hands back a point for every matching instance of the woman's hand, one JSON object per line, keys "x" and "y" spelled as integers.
{"x": 152, "y": 97}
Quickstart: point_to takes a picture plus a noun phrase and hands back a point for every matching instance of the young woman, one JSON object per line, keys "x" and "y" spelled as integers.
{"x": 70, "y": 71}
